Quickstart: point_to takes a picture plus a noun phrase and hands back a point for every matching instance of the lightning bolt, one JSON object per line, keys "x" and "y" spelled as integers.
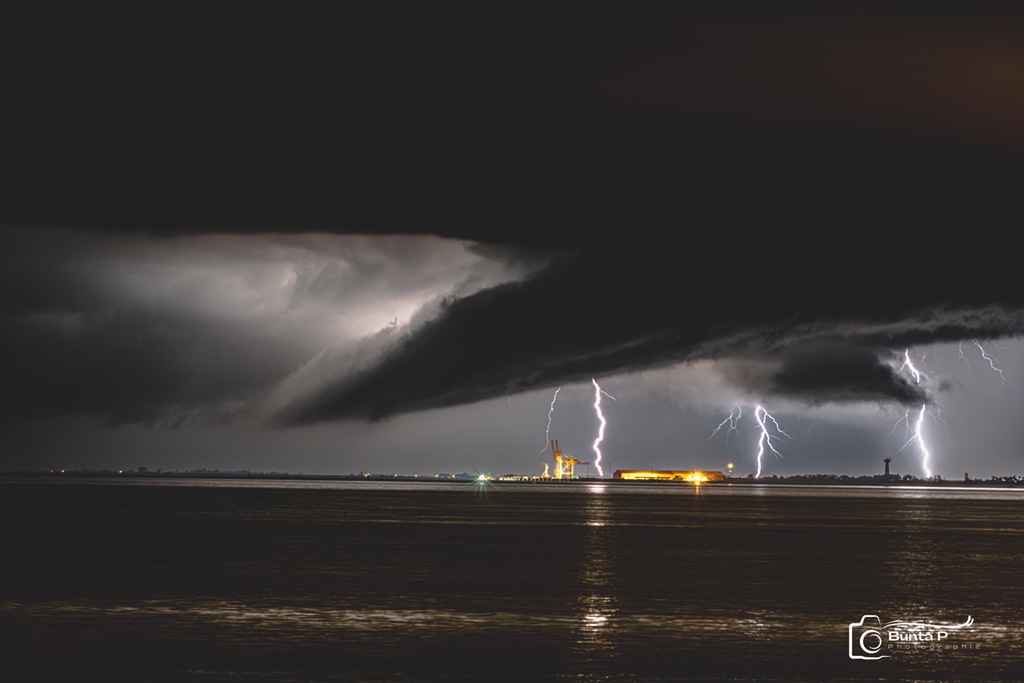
{"x": 761, "y": 416}
{"x": 960, "y": 348}
{"x": 600, "y": 431}
{"x": 909, "y": 364}
{"x": 991, "y": 361}
{"x": 731, "y": 421}
{"x": 918, "y": 427}
{"x": 937, "y": 417}
{"x": 547, "y": 430}
{"x": 609, "y": 396}
{"x": 906, "y": 420}
{"x": 918, "y": 435}
{"x": 918, "y": 438}
{"x": 766, "y": 438}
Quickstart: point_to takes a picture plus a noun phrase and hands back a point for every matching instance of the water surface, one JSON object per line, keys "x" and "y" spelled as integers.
{"x": 214, "y": 580}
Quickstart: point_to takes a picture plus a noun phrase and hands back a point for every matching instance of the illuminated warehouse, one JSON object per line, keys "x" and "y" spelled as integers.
{"x": 692, "y": 476}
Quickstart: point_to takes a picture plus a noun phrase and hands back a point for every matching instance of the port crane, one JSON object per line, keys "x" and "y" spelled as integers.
{"x": 565, "y": 464}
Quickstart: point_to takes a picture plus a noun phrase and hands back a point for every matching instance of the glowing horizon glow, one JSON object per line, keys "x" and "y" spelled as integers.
{"x": 600, "y": 431}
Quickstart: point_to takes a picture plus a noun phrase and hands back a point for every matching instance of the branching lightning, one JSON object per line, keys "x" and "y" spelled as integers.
{"x": 918, "y": 428}
{"x": 937, "y": 417}
{"x": 918, "y": 438}
{"x": 766, "y": 438}
{"x": 909, "y": 364}
{"x": 547, "y": 430}
{"x": 936, "y": 414}
{"x": 761, "y": 416}
{"x": 960, "y": 348}
{"x": 731, "y": 421}
{"x": 906, "y": 421}
{"x": 600, "y": 431}
{"x": 991, "y": 361}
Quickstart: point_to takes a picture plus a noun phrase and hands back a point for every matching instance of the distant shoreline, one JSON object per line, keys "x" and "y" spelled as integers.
{"x": 796, "y": 480}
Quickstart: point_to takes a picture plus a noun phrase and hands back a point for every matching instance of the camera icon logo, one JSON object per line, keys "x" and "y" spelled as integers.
{"x": 866, "y": 638}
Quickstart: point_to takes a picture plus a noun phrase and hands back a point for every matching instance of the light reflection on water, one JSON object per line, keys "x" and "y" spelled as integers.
{"x": 589, "y": 581}
{"x": 597, "y": 628}
{"x": 596, "y": 625}
{"x": 589, "y": 485}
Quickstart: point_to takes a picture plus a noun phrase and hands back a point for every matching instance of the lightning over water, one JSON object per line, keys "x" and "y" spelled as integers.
{"x": 766, "y": 438}
{"x": 547, "y": 430}
{"x": 915, "y": 433}
{"x": 600, "y": 432}
{"x": 731, "y": 421}
{"x": 761, "y": 416}
{"x": 918, "y": 438}
{"x": 918, "y": 428}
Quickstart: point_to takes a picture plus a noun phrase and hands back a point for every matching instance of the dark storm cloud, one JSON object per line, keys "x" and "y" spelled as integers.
{"x": 718, "y": 184}
{"x": 583, "y": 318}
{"x": 825, "y": 372}
{"x": 166, "y": 331}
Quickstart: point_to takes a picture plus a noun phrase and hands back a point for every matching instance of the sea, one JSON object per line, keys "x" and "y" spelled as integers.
{"x": 116, "y": 579}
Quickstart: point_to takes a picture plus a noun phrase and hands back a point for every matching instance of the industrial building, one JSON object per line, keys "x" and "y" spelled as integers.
{"x": 565, "y": 469}
{"x": 692, "y": 476}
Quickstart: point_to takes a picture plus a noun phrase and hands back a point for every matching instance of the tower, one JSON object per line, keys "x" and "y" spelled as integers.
{"x": 887, "y": 466}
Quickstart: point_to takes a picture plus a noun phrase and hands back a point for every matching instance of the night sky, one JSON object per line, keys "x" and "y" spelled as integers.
{"x": 333, "y": 241}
